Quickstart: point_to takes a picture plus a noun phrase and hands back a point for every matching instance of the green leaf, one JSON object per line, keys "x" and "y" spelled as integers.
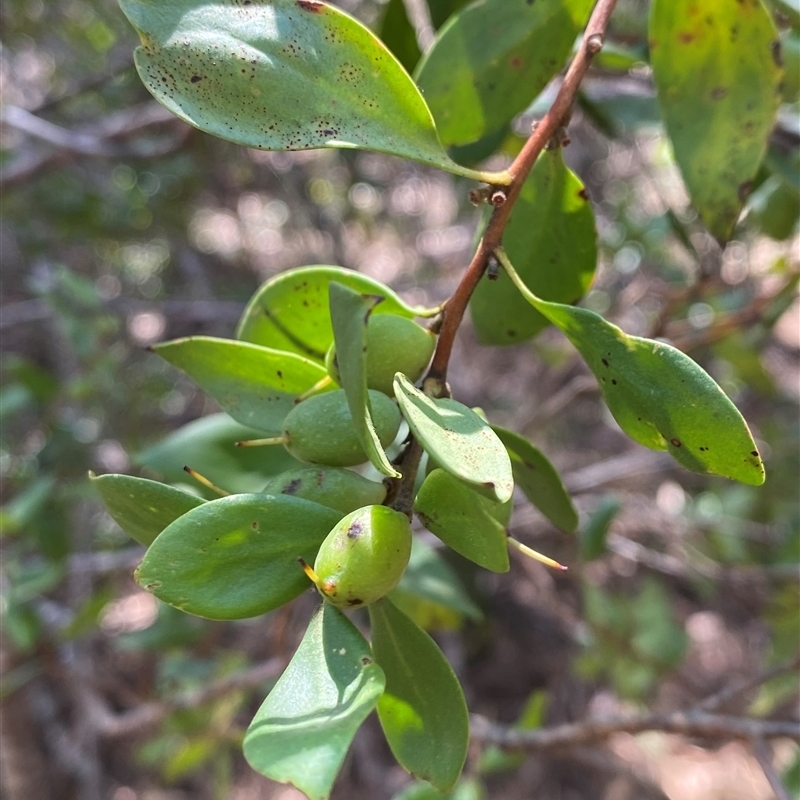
{"x": 282, "y": 75}
{"x": 466, "y": 789}
{"x": 301, "y": 733}
{"x": 257, "y": 386}
{"x": 208, "y": 445}
{"x": 458, "y": 439}
{"x": 593, "y": 534}
{"x": 422, "y": 710}
{"x": 142, "y": 508}
{"x": 718, "y": 86}
{"x": 236, "y": 557}
{"x": 658, "y": 395}
{"x": 430, "y": 578}
{"x": 539, "y": 481}
{"x": 464, "y": 520}
{"x": 291, "y": 311}
{"x": 350, "y": 313}
{"x": 551, "y": 241}
{"x": 491, "y": 60}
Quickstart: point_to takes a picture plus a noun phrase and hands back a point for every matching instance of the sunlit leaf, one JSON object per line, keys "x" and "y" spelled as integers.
{"x": 538, "y": 479}
{"x": 551, "y": 241}
{"x": 718, "y": 83}
{"x": 292, "y": 310}
{"x": 491, "y": 60}
{"x": 350, "y": 312}
{"x": 236, "y": 557}
{"x": 658, "y": 395}
{"x": 256, "y": 385}
{"x": 302, "y": 731}
{"x": 459, "y": 440}
{"x": 282, "y": 75}
{"x": 464, "y": 520}
{"x": 422, "y": 710}
{"x": 142, "y": 508}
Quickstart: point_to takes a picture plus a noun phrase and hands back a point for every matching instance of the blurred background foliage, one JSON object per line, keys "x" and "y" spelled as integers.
{"x": 121, "y": 227}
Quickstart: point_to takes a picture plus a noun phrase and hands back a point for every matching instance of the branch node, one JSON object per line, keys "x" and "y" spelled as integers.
{"x": 498, "y": 197}
{"x": 594, "y": 44}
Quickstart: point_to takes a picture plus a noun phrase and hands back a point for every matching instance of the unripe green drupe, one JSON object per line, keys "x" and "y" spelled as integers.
{"x": 363, "y": 557}
{"x": 320, "y": 429}
{"x": 394, "y": 344}
{"x": 340, "y": 489}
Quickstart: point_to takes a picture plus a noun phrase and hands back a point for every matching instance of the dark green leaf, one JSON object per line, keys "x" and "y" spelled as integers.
{"x": 719, "y": 89}
{"x": 208, "y": 445}
{"x": 236, "y": 557}
{"x": 350, "y": 312}
{"x": 658, "y": 395}
{"x": 429, "y": 578}
{"x": 301, "y": 733}
{"x": 551, "y": 241}
{"x": 492, "y": 59}
{"x": 291, "y": 311}
{"x": 458, "y": 439}
{"x": 539, "y": 481}
{"x": 142, "y": 508}
{"x": 283, "y": 75}
{"x": 256, "y": 385}
{"x": 593, "y": 534}
{"x": 422, "y": 711}
{"x": 463, "y": 520}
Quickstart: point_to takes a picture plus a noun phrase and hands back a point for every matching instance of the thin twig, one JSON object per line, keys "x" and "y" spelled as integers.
{"x": 114, "y": 726}
{"x": 686, "y": 723}
{"x": 734, "y": 690}
{"x": 592, "y": 43}
{"x": 419, "y": 15}
{"x": 763, "y": 754}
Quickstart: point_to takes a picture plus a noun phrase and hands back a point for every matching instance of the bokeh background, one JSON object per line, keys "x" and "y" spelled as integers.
{"x": 122, "y": 226}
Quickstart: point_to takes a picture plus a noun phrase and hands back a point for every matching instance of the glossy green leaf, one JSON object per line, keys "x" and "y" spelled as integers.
{"x": 350, "y": 312}
{"x": 142, "y": 508}
{"x": 491, "y": 60}
{"x": 422, "y": 710}
{"x": 428, "y": 577}
{"x": 302, "y": 731}
{"x": 551, "y": 241}
{"x": 208, "y": 445}
{"x": 718, "y": 85}
{"x": 236, "y": 557}
{"x": 459, "y": 440}
{"x": 291, "y": 311}
{"x": 282, "y": 75}
{"x": 659, "y": 396}
{"x": 256, "y": 385}
{"x": 464, "y": 520}
{"x": 539, "y": 481}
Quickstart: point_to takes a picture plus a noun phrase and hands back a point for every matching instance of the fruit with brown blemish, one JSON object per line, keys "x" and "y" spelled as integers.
{"x": 363, "y": 557}
{"x": 394, "y": 344}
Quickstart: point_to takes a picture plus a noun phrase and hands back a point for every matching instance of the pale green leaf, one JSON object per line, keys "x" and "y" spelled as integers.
{"x": 302, "y": 731}
{"x": 459, "y": 440}
{"x": 282, "y": 75}
{"x": 256, "y": 385}
{"x": 718, "y": 81}
{"x": 350, "y": 312}
{"x": 658, "y": 395}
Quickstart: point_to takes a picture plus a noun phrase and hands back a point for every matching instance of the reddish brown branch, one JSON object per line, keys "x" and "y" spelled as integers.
{"x": 493, "y": 236}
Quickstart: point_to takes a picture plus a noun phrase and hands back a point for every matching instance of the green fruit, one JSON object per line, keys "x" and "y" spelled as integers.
{"x": 394, "y": 344}
{"x": 364, "y": 556}
{"x": 335, "y": 488}
{"x": 320, "y": 429}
